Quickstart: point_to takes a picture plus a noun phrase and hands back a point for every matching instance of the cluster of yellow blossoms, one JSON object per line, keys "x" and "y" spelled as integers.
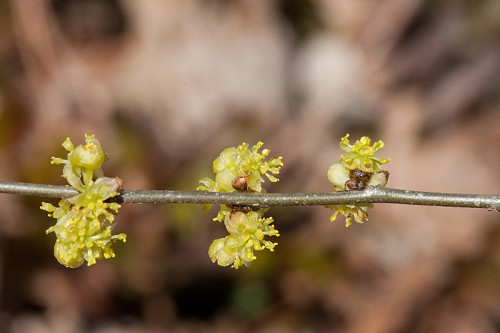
{"x": 356, "y": 170}
{"x": 85, "y": 221}
{"x": 241, "y": 169}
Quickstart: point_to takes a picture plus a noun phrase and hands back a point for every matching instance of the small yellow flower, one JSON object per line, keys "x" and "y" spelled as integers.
{"x": 246, "y": 235}
{"x": 361, "y": 154}
{"x": 83, "y": 162}
{"x": 242, "y": 168}
{"x": 356, "y": 171}
{"x": 89, "y": 156}
{"x": 358, "y": 212}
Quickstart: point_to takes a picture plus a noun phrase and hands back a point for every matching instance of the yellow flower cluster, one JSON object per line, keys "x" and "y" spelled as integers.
{"x": 85, "y": 221}
{"x": 361, "y": 154}
{"x": 84, "y": 224}
{"x": 241, "y": 169}
{"x": 246, "y": 235}
{"x": 355, "y": 171}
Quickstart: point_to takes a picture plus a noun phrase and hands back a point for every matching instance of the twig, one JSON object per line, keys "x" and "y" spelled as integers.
{"x": 369, "y": 195}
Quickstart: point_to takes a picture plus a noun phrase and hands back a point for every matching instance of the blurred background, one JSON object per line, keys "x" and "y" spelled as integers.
{"x": 167, "y": 84}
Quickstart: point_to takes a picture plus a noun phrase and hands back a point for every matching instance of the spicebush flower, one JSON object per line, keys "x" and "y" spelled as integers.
{"x": 85, "y": 221}
{"x": 83, "y": 162}
{"x": 355, "y": 171}
{"x": 358, "y": 212}
{"x": 361, "y": 154}
{"x": 246, "y": 235}
{"x": 241, "y": 169}
{"x": 84, "y": 224}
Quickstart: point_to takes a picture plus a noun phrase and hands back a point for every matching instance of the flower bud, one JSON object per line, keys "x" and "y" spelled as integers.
{"x": 90, "y": 155}
{"x": 338, "y": 175}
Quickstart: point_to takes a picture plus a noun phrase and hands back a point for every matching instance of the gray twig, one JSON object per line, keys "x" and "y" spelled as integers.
{"x": 369, "y": 195}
